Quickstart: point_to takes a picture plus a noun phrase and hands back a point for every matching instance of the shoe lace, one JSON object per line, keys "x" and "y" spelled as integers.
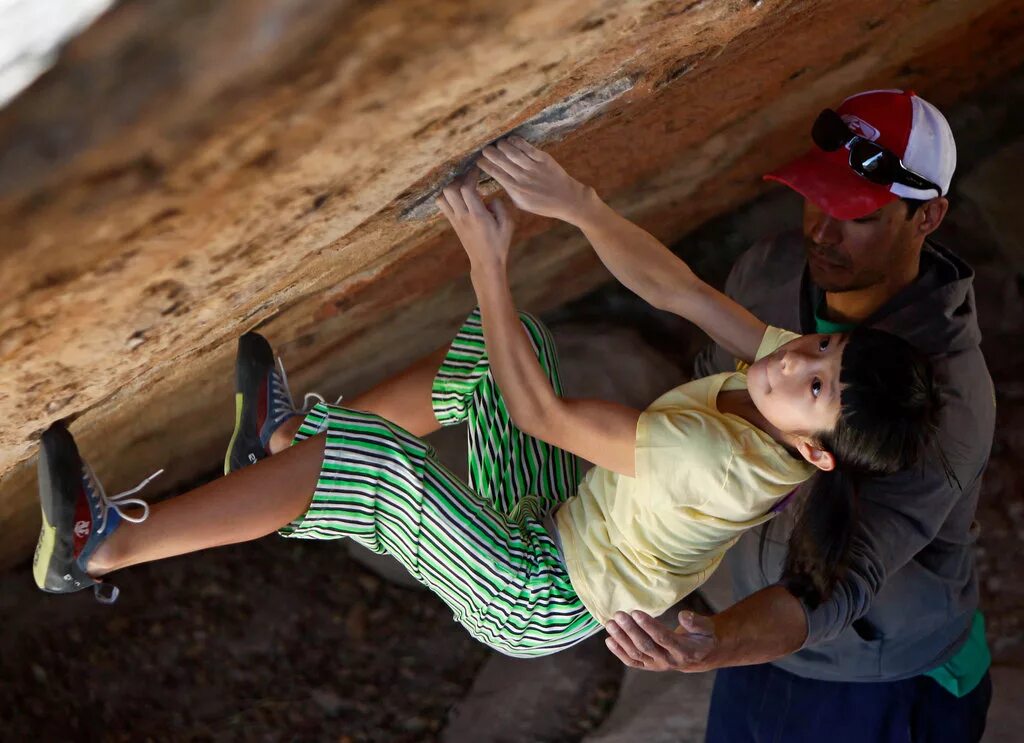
{"x": 284, "y": 383}
{"x": 120, "y": 500}
{"x": 306, "y": 405}
{"x": 316, "y": 397}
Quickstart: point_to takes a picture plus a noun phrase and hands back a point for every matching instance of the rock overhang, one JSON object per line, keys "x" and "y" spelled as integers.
{"x": 180, "y": 177}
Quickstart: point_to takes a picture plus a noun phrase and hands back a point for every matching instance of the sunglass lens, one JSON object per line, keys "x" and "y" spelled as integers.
{"x": 873, "y": 162}
{"x": 829, "y": 131}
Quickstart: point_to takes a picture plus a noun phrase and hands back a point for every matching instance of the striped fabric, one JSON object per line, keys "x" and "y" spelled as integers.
{"x": 483, "y": 549}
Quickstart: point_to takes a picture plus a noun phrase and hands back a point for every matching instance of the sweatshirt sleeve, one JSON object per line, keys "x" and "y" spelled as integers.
{"x": 897, "y": 517}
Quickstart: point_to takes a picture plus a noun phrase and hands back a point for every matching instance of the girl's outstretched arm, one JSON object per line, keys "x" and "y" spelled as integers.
{"x": 538, "y": 184}
{"x": 601, "y": 432}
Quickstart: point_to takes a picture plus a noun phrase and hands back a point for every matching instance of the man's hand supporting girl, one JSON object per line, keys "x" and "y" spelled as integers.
{"x": 601, "y": 432}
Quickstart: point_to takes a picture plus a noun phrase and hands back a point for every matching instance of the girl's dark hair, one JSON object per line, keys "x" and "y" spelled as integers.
{"x": 889, "y": 410}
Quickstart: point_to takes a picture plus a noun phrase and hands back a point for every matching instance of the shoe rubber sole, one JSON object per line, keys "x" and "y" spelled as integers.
{"x": 60, "y": 484}
{"x": 253, "y": 365}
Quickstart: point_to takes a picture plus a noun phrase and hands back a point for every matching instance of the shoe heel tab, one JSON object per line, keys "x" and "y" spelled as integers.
{"x": 106, "y": 593}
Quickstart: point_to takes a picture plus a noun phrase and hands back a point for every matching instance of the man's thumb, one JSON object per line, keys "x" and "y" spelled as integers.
{"x": 696, "y": 624}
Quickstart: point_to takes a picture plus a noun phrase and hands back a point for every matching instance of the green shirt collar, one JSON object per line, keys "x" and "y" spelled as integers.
{"x": 821, "y": 325}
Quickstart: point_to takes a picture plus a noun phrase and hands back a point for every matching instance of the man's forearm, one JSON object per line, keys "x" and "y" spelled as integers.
{"x": 635, "y": 257}
{"x": 763, "y": 627}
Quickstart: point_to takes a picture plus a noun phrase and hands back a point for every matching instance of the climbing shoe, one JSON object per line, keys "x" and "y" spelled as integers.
{"x": 78, "y": 516}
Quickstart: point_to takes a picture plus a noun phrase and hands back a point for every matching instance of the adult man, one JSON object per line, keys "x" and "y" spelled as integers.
{"x": 905, "y": 615}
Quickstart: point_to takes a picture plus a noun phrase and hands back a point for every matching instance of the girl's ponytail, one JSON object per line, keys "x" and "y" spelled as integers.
{"x": 819, "y": 545}
{"x": 888, "y": 419}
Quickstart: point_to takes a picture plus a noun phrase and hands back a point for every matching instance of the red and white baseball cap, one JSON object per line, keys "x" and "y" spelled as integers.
{"x": 904, "y": 124}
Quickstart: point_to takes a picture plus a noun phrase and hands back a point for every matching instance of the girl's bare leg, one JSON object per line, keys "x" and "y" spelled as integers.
{"x": 403, "y": 399}
{"x": 245, "y": 505}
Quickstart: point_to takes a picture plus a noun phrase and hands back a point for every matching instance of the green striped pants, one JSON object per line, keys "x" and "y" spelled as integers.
{"x": 483, "y": 548}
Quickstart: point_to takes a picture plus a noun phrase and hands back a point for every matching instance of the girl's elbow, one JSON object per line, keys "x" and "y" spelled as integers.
{"x": 528, "y": 421}
{"x": 533, "y": 420}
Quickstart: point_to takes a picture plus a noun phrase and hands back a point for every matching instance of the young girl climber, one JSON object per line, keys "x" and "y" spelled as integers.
{"x": 530, "y": 558}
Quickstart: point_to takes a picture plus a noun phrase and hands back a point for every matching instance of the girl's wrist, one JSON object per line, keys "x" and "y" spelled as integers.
{"x": 487, "y": 270}
{"x": 588, "y": 210}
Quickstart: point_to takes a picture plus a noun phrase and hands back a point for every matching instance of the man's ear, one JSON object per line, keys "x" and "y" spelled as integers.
{"x": 932, "y": 212}
{"x": 823, "y": 460}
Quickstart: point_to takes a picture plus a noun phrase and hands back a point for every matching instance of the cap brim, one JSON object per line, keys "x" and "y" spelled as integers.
{"x": 828, "y": 180}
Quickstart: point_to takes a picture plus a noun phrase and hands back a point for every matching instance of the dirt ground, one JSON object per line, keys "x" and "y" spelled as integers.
{"x": 273, "y": 640}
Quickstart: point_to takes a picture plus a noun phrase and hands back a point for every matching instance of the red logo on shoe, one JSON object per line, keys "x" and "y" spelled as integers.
{"x": 83, "y": 522}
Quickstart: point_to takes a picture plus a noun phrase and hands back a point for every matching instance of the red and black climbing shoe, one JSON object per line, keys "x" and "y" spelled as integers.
{"x": 263, "y": 402}
{"x": 78, "y": 516}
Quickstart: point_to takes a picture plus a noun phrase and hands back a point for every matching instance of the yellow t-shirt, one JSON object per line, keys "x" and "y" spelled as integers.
{"x": 702, "y": 478}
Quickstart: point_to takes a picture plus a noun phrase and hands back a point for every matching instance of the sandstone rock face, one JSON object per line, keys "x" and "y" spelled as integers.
{"x": 191, "y": 170}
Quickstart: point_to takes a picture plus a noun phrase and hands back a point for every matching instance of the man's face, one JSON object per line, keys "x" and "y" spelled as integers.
{"x": 847, "y": 255}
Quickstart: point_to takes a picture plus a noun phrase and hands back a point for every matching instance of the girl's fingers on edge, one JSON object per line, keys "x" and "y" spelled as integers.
{"x": 496, "y": 156}
{"x": 527, "y": 148}
{"x": 442, "y": 204}
{"x": 474, "y": 203}
{"x": 453, "y": 196}
{"x": 516, "y": 155}
{"x": 504, "y": 179}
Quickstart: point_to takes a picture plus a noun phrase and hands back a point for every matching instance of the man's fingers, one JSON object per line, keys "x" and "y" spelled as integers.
{"x": 695, "y": 638}
{"x": 515, "y": 154}
{"x": 496, "y": 156}
{"x": 526, "y": 148}
{"x": 623, "y": 641}
{"x": 621, "y": 654}
{"x": 639, "y": 638}
{"x": 696, "y": 624}
{"x": 657, "y": 631}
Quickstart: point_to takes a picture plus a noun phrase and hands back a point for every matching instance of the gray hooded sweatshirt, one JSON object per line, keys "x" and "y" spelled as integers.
{"x": 907, "y": 601}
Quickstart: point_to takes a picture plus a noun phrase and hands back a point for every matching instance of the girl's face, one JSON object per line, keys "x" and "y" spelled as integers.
{"x": 797, "y": 388}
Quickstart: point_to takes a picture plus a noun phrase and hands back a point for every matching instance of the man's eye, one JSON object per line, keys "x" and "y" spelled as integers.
{"x": 823, "y": 343}
{"x": 816, "y": 387}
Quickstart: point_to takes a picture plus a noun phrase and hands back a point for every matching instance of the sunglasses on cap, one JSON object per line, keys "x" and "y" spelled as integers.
{"x": 867, "y": 158}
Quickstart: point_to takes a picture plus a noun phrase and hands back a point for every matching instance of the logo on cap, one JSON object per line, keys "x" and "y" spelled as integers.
{"x": 860, "y": 127}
